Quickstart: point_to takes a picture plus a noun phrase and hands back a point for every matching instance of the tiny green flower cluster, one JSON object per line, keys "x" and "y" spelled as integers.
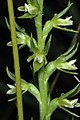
{"x": 40, "y": 49}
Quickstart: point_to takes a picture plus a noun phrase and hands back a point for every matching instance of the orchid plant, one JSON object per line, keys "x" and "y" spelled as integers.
{"x": 41, "y": 67}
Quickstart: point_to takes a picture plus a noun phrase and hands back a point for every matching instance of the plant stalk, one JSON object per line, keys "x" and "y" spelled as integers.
{"x": 16, "y": 59}
{"x": 38, "y": 24}
{"x": 43, "y": 76}
{"x": 44, "y": 98}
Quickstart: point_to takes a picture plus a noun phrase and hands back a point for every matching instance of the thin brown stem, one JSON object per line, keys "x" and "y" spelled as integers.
{"x": 54, "y": 82}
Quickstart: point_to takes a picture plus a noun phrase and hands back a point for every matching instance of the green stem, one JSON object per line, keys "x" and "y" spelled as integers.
{"x": 16, "y": 60}
{"x": 43, "y": 76}
{"x": 41, "y": 5}
{"x": 38, "y": 24}
{"x": 44, "y": 100}
{"x": 44, "y": 95}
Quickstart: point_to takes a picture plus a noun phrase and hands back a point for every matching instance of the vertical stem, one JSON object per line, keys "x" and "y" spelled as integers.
{"x": 42, "y": 84}
{"x": 43, "y": 76}
{"x": 16, "y": 60}
{"x": 44, "y": 98}
{"x": 43, "y": 93}
{"x": 38, "y": 24}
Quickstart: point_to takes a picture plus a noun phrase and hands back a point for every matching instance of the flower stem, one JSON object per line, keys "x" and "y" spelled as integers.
{"x": 43, "y": 76}
{"x": 16, "y": 60}
{"x": 38, "y": 24}
{"x": 44, "y": 97}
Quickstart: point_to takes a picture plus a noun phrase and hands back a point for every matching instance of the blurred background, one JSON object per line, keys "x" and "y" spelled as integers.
{"x": 61, "y": 41}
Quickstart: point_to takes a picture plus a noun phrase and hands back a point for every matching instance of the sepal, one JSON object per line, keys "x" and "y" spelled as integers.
{"x": 12, "y": 89}
{"x": 39, "y": 60}
{"x": 39, "y": 57}
{"x": 47, "y": 47}
{"x": 33, "y": 45}
{"x": 37, "y": 65}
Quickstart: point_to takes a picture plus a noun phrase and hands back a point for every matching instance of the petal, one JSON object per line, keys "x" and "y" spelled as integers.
{"x": 67, "y": 71}
{"x": 67, "y": 103}
{"x": 74, "y": 102}
{"x": 73, "y": 114}
{"x": 71, "y": 62}
{"x": 66, "y": 66}
{"x": 11, "y": 99}
{"x": 77, "y": 105}
{"x": 11, "y": 86}
{"x": 27, "y": 15}
{"x": 62, "y": 22}
{"x": 11, "y": 91}
{"x": 64, "y": 29}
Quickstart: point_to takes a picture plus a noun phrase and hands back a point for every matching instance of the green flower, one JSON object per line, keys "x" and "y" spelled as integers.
{"x": 58, "y": 22}
{"x": 39, "y": 60}
{"x": 38, "y": 57}
{"x": 64, "y": 102}
{"x": 31, "y": 9}
{"x": 23, "y": 38}
{"x": 24, "y": 87}
{"x": 12, "y": 88}
{"x": 63, "y": 22}
{"x": 62, "y": 62}
{"x": 67, "y": 66}
{"x": 28, "y": 8}
{"x": 68, "y": 103}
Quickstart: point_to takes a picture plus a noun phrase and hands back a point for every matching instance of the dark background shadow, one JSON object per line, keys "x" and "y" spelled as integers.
{"x": 61, "y": 41}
